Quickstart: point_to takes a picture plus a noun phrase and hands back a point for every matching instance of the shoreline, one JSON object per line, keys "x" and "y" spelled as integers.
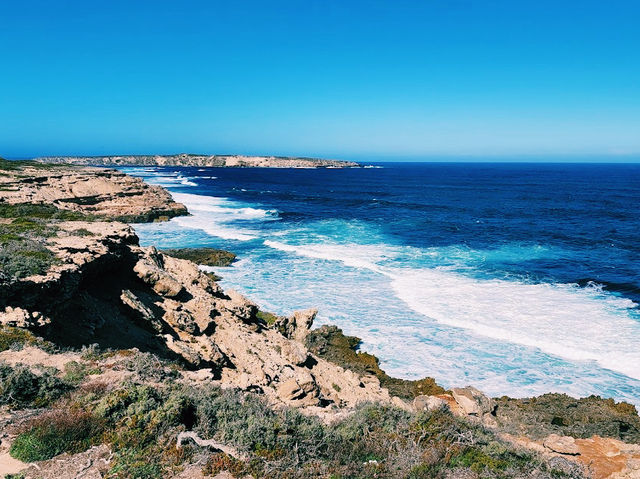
{"x": 98, "y": 282}
{"x": 304, "y": 253}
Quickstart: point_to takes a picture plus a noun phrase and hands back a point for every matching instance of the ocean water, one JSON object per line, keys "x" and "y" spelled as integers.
{"x": 519, "y": 279}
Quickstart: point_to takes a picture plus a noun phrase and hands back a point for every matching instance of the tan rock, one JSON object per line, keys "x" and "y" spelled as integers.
{"x": 295, "y": 353}
{"x": 473, "y": 401}
{"x": 182, "y": 320}
{"x": 241, "y": 307}
{"x": 561, "y": 444}
{"x": 429, "y": 403}
{"x": 133, "y": 302}
{"x": 609, "y": 458}
{"x": 21, "y": 318}
{"x": 161, "y": 281}
{"x": 302, "y": 388}
{"x": 297, "y": 327}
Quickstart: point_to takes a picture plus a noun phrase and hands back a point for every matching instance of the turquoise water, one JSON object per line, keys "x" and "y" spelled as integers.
{"x": 518, "y": 279}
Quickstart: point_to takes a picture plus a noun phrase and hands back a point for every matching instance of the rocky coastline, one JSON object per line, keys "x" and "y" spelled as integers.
{"x": 185, "y": 159}
{"x": 142, "y": 345}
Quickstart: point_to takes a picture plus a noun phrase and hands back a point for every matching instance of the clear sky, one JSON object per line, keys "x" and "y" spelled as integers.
{"x": 345, "y": 79}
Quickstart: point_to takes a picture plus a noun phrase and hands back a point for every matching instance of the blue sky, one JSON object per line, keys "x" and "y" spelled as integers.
{"x": 347, "y": 79}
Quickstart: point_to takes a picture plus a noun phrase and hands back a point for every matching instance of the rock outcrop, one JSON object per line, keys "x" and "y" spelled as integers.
{"x": 107, "y": 194}
{"x": 604, "y": 458}
{"x": 185, "y": 159}
{"x": 106, "y": 289}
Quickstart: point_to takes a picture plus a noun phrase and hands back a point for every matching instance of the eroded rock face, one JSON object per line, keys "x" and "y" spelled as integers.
{"x": 108, "y": 290}
{"x": 603, "y": 458}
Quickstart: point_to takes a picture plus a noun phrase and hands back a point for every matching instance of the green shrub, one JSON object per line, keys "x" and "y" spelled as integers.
{"x": 33, "y": 211}
{"x": 16, "y": 338}
{"x": 143, "y": 423}
{"x": 19, "y": 387}
{"x": 149, "y": 367}
{"x": 243, "y": 420}
{"x": 56, "y": 432}
{"x": 268, "y": 318}
{"x": 16, "y": 165}
{"x": 76, "y": 372}
{"x": 22, "y": 258}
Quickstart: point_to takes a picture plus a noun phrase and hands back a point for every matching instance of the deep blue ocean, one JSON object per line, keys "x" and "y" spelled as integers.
{"x": 519, "y": 279}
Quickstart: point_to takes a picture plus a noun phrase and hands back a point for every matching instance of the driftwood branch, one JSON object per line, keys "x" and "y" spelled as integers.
{"x": 210, "y": 443}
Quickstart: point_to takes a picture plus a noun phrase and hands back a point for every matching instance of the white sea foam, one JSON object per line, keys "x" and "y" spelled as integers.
{"x": 361, "y": 257}
{"x": 186, "y": 181}
{"x": 224, "y": 207}
{"x": 577, "y": 324}
{"x": 221, "y": 217}
{"x": 562, "y": 320}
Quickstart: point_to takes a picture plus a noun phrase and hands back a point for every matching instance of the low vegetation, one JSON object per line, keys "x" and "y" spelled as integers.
{"x": 55, "y": 432}
{"x": 22, "y": 258}
{"x": 561, "y": 414}
{"x": 32, "y": 212}
{"x": 17, "y": 165}
{"x": 23, "y": 232}
{"x": 20, "y": 387}
{"x": 17, "y": 338}
{"x": 140, "y": 421}
{"x": 268, "y": 318}
{"x": 330, "y": 343}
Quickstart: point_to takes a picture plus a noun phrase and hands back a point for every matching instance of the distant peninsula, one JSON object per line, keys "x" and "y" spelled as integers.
{"x": 185, "y": 159}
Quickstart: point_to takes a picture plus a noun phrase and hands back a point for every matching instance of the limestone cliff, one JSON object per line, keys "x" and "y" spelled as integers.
{"x": 184, "y": 159}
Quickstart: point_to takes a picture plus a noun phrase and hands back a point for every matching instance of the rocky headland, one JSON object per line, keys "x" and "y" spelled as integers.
{"x": 118, "y": 360}
{"x": 101, "y": 193}
{"x": 185, "y": 159}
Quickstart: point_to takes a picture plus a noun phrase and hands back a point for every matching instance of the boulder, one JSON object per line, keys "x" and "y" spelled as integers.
{"x": 161, "y": 281}
{"x": 561, "y": 444}
{"x": 301, "y": 388}
{"x": 429, "y": 403}
{"x": 472, "y": 401}
{"x": 295, "y": 353}
{"x": 297, "y": 327}
{"x": 144, "y": 314}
